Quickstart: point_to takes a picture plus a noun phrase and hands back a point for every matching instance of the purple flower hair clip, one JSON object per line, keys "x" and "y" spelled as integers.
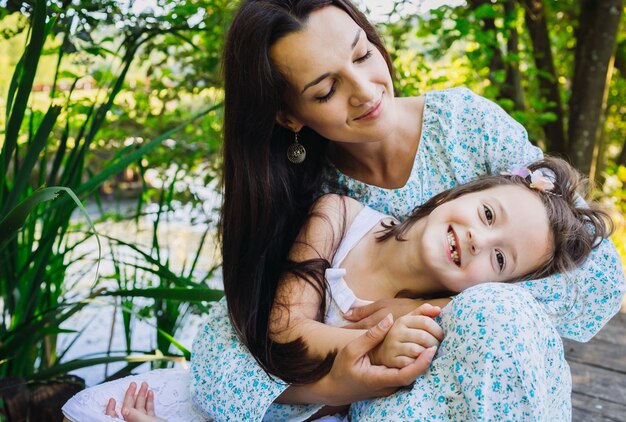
{"x": 538, "y": 180}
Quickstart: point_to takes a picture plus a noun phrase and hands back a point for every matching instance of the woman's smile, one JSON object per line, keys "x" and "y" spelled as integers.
{"x": 373, "y": 112}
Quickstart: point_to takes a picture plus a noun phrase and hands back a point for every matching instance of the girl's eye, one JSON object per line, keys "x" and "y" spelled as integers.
{"x": 488, "y": 214}
{"x": 500, "y": 259}
{"x": 364, "y": 57}
{"x": 327, "y": 96}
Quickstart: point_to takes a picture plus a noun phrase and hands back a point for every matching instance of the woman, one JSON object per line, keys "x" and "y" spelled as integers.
{"x": 315, "y": 74}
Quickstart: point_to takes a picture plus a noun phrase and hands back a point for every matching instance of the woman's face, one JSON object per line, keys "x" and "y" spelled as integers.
{"x": 340, "y": 83}
{"x": 497, "y": 234}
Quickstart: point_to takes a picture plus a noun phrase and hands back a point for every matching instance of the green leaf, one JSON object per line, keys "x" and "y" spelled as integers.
{"x": 15, "y": 218}
{"x": 34, "y": 149}
{"x": 174, "y": 293}
{"x": 175, "y": 342}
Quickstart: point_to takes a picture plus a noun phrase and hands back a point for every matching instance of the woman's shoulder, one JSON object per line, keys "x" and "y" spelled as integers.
{"x": 461, "y": 103}
{"x": 458, "y": 93}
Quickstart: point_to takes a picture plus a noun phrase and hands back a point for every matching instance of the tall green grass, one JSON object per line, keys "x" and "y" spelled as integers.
{"x": 43, "y": 178}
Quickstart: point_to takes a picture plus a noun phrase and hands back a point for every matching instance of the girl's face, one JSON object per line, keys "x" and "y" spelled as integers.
{"x": 340, "y": 83}
{"x": 497, "y": 234}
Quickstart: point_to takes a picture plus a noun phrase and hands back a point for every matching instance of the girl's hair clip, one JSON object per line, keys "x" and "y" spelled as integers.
{"x": 537, "y": 180}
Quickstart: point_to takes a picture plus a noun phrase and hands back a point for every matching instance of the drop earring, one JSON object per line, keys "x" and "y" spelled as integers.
{"x": 296, "y": 152}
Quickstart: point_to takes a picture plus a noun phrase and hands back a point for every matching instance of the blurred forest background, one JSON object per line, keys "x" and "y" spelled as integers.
{"x": 120, "y": 103}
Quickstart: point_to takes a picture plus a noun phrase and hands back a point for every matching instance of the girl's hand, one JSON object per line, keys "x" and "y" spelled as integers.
{"x": 409, "y": 337}
{"x": 353, "y": 377}
{"x": 367, "y": 316}
{"x": 136, "y": 407}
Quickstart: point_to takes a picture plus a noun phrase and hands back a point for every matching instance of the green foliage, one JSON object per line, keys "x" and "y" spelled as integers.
{"x": 50, "y": 141}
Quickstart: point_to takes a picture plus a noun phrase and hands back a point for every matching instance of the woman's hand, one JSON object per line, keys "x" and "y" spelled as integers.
{"x": 136, "y": 407}
{"x": 367, "y": 316}
{"x": 409, "y": 337}
{"x": 353, "y": 377}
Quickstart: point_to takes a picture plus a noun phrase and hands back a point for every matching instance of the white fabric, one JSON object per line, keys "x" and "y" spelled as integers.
{"x": 341, "y": 298}
{"x": 171, "y": 398}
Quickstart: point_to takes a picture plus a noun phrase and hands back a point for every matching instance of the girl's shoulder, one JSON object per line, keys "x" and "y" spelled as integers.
{"x": 337, "y": 208}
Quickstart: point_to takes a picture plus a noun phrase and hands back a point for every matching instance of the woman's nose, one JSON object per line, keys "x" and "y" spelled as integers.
{"x": 363, "y": 91}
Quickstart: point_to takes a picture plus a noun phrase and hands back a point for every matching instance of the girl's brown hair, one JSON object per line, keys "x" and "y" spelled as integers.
{"x": 576, "y": 227}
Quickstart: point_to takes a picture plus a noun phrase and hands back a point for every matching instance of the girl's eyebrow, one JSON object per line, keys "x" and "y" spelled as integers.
{"x": 327, "y": 74}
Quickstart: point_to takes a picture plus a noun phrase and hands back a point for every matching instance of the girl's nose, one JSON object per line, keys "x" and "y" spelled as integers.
{"x": 478, "y": 239}
{"x": 474, "y": 247}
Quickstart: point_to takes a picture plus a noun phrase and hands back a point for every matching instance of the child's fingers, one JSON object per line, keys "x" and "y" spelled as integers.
{"x": 150, "y": 403}
{"x": 427, "y": 310}
{"x": 129, "y": 397}
{"x": 402, "y": 361}
{"x": 410, "y": 350}
{"x": 418, "y": 367}
{"x": 140, "y": 402}
{"x": 110, "y": 409}
{"x": 421, "y": 322}
{"x": 420, "y": 337}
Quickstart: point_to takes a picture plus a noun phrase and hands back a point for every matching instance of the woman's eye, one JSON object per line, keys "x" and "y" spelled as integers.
{"x": 488, "y": 214}
{"x": 500, "y": 259}
{"x": 364, "y": 57}
{"x": 327, "y": 96}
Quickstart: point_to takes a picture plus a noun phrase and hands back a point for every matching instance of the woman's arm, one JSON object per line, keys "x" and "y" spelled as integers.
{"x": 354, "y": 378}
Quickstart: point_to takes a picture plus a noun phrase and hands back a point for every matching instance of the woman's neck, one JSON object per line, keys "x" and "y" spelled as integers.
{"x": 387, "y": 163}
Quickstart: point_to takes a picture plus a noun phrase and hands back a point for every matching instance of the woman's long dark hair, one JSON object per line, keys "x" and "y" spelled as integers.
{"x": 266, "y": 198}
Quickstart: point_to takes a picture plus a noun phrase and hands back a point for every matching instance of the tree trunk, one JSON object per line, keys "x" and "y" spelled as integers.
{"x": 537, "y": 26}
{"x": 513, "y": 84}
{"x": 595, "y": 43}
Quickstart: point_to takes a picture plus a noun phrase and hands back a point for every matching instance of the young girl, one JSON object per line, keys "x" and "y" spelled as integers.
{"x": 528, "y": 224}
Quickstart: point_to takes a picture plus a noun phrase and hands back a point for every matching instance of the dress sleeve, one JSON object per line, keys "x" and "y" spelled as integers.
{"x": 581, "y": 302}
{"x": 226, "y": 381}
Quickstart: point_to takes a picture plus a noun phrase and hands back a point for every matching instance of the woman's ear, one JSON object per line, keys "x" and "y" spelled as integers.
{"x": 288, "y": 121}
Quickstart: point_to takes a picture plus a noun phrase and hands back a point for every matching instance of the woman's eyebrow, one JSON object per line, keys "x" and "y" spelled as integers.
{"x": 327, "y": 74}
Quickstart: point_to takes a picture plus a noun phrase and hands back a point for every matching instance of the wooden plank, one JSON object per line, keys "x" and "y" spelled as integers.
{"x": 593, "y": 409}
{"x": 598, "y": 383}
{"x": 597, "y": 353}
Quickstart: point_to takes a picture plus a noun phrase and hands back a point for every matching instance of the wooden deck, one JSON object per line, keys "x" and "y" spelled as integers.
{"x": 599, "y": 374}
